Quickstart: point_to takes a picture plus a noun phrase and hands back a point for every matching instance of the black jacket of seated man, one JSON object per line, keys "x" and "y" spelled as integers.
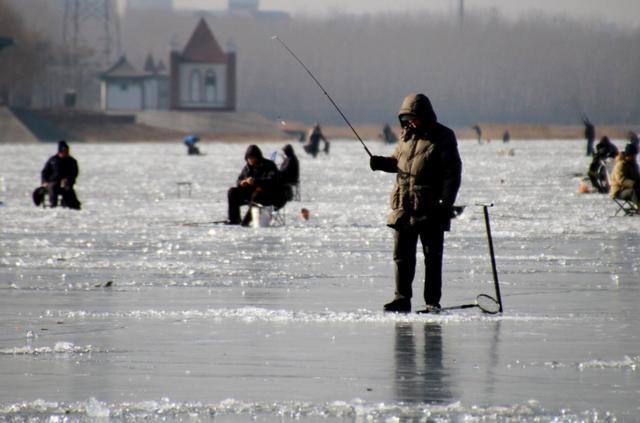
{"x": 290, "y": 167}
{"x": 428, "y": 168}
{"x": 59, "y": 176}
{"x": 289, "y": 172}
{"x": 257, "y": 183}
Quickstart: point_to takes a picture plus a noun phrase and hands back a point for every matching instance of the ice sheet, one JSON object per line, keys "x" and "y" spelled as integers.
{"x": 214, "y": 322}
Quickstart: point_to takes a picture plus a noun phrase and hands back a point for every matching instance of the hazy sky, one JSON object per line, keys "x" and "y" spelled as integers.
{"x": 623, "y": 12}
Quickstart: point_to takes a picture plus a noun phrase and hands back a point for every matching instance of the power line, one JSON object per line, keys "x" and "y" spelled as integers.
{"x": 86, "y": 18}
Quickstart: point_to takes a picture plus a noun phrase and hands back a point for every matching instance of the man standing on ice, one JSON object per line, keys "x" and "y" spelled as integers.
{"x": 589, "y": 134}
{"x": 429, "y": 170}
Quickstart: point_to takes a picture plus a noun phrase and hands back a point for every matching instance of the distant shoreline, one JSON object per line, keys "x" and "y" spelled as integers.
{"x": 29, "y": 126}
{"x": 494, "y": 131}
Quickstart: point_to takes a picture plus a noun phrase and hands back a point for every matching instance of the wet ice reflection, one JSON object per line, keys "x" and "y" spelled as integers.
{"x": 285, "y": 323}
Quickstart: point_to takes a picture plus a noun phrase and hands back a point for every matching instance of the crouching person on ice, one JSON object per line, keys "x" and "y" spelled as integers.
{"x": 429, "y": 169}
{"x": 257, "y": 183}
{"x": 58, "y": 178}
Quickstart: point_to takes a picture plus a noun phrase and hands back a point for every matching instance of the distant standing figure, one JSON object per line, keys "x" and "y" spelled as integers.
{"x": 633, "y": 139}
{"x": 388, "y": 135}
{"x": 289, "y": 172}
{"x": 312, "y": 146}
{"x": 625, "y": 178}
{"x": 478, "y": 131}
{"x": 59, "y": 175}
{"x": 506, "y": 137}
{"x": 190, "y": 141}
{"x": 589, "y": 134}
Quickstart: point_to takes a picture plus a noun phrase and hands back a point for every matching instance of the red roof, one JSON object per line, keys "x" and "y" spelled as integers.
{"x": 203, "y": 47}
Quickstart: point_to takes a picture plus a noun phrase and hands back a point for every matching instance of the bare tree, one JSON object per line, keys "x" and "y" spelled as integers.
{"x": 20, "y": 64}
{"x": 537, "y": 69}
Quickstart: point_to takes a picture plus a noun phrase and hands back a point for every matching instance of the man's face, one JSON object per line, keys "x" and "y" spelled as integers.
{"x": 64, "y": 154}
{"x": 411, "y": 121}
{"x": 252, "y": 161}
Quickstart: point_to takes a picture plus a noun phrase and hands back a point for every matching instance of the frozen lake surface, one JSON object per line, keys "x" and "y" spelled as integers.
{"x": 221, "y": 323}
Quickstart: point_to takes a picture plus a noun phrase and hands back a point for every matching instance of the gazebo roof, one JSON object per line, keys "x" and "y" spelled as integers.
{"x": 123, "y": 69}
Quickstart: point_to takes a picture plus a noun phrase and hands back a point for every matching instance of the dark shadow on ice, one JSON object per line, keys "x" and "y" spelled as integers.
{"x": 420, "y": 375}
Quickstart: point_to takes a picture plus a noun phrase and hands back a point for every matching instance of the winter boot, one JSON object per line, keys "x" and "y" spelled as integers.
{"x": 400, "y": 305}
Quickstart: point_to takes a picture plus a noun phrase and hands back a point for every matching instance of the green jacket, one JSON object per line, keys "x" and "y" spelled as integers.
{"x": 428, "y": 168}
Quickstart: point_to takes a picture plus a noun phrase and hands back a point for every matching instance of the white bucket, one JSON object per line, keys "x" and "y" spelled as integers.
{"x": 261, "y": 216}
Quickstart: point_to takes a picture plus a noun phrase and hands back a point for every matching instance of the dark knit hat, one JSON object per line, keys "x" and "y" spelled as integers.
{"x": 253, "y": 151}
{"x": 63, "y": 146}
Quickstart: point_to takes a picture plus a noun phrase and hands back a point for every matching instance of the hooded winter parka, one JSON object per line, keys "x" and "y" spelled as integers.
{"x": 264, "y": 172}
{"x": 429, "y": 170}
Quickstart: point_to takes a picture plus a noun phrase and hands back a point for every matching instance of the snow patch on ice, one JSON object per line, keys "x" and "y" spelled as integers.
{"x": 628, "y": 363}
{"x": 257, "y": 314}
{"x": 354, "y": 410}
{"x": 58, "y": 348}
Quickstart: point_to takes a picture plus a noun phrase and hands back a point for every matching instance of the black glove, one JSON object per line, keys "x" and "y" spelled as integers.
{"x": 445, "y": 211}
{"x": 377, "y": 162}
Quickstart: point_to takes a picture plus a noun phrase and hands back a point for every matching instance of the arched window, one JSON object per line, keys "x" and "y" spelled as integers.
{"x": 195, "y": 87}
{"x": 210, "y": 87}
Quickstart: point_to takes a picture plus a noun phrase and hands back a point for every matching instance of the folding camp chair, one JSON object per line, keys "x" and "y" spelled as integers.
{"x": 295, "y": 189}
{"x": 626, "y": 206}
{"x": 278, "y": 216}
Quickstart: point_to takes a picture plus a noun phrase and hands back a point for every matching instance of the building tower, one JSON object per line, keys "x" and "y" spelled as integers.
{"x": 244, "y": 6}
{"x": 97, "y": 20}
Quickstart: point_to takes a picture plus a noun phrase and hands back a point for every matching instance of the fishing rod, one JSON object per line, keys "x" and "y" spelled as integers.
{"x": 275, "y": 37}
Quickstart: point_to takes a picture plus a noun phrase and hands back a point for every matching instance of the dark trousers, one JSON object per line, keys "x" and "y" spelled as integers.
{"x": 590, "y": 142}
{"x": 69, "y": 198}
{"x": 239, "y": 196}
{"x": 404, "y": 257}
{"x": 312, "y": 148}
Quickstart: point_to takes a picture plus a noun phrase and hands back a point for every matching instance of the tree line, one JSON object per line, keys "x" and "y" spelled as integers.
{"x": 537, "y": 69}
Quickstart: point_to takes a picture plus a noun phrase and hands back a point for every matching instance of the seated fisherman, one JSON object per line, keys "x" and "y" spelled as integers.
{"x": 598, "y": 169}
{"x": 58, "y": 177}
{"x": 257, "y": 183}
{"x": 289, "y": 172}
{"x": 606, "y": 149}
{"x": 625, "y": 179}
